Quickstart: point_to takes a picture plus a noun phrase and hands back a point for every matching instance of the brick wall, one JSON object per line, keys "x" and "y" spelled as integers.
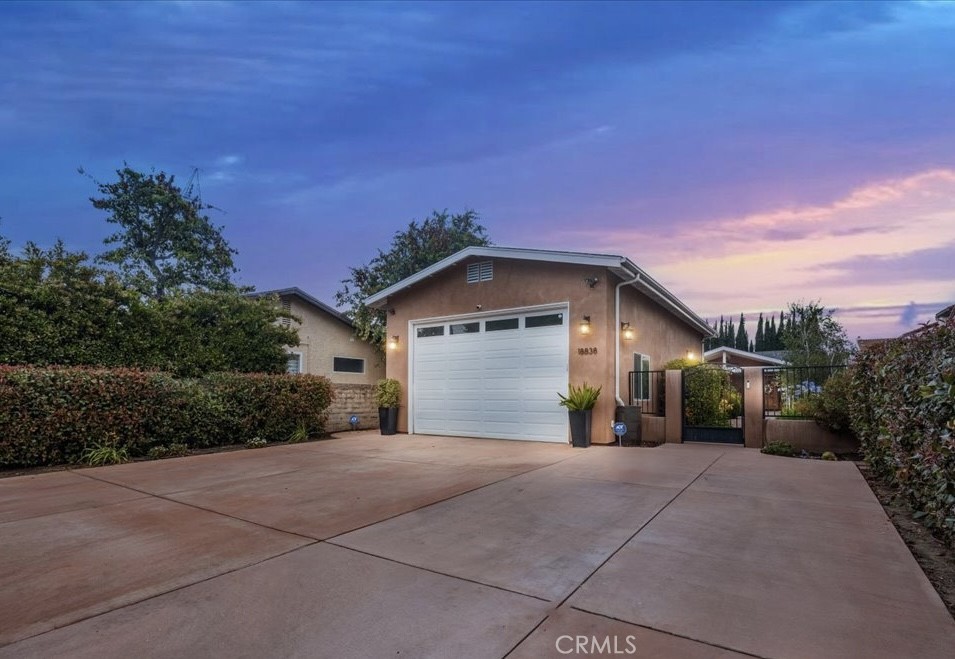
{"x": 352, "y": 399}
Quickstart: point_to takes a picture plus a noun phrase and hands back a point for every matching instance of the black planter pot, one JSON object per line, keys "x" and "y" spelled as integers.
{"x": 580, "y": 427}
{"x": 388, "y": 420}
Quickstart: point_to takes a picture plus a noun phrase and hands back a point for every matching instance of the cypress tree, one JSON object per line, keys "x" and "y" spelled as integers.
{"x": 742, "y": 338}
{"x": 758, "y": 344}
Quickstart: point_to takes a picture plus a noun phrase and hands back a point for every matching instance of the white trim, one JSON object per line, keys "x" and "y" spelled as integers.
{"x": 744, "y": 353}
{"x": 643, "y": 356}
{"x": 619, "y": 265}
{"x": 412, "y": 336}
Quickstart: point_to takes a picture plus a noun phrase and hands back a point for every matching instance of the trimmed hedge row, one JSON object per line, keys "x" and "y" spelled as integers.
{"x": 49, "y": 415}
{"x": 902, "y": 408}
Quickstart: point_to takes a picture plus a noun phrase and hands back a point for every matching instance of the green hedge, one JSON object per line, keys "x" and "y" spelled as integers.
{"x": 49, "y": 415}
{"x": 902, "y": 408}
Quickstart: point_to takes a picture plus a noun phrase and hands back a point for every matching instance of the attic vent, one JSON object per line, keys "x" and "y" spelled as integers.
{"x": 483, "y": 271}
{"x": 286, "y": 308}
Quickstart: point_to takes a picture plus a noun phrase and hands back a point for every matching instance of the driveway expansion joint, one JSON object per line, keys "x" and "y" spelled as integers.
{"x": 209, "y": 510}
{"x": 669, "y": 633}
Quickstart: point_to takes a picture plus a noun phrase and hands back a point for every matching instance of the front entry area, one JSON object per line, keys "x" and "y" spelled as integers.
{"x": 712, "y": 404}
{"x": 493, "y": 375}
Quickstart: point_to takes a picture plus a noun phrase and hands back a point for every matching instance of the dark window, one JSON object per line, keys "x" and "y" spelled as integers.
{"x": 503, "y": 324}
{"x": 430, "y": 331}
{"x": 544, "y": 321}
{"x": 348, "y": 365}
{"x": 466, "y": 328}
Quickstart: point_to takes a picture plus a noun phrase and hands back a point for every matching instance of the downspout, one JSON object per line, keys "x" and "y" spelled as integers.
{"x": 616, "y": 361}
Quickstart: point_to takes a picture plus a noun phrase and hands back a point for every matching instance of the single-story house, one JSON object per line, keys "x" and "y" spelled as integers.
{"x": 736, "y": 357}
{"x": 327, "y": 342}
{"x": 483, "y": 340}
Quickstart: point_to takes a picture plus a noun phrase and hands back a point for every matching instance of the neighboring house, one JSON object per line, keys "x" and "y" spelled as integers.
{"x": 735, "y": 357}
{"x": 483, "y": 340}
{"x": 327, "y": 343}
{"x": 945, "y": 313}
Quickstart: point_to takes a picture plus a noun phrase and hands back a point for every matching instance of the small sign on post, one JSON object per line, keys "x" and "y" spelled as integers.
{"x": 619, "y": 429}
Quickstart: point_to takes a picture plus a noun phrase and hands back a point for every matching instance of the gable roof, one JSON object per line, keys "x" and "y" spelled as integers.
{"x": 295, "y": 291}
{"x": 619, "y": 265}
{"x": 736, "y": 352}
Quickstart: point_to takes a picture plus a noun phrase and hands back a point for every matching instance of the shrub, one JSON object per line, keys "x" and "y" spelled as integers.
{"x": 831, "y": 406}
{"x": 830, "y": 456}
{"x": 779, "y": 448}
{"x": 902, "y": 409}
{"x": 711, "y": 399}
{"x": 388, "y": 393}
{"x": 256, "y": 442}
{"x": 105, "y": 453}
{"x": 52, "y": 415}
{"x": 580, "y": 398}
{"x": 174, "y": 450}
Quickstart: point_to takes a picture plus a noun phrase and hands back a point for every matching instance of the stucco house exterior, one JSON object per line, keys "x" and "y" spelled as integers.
{"x": 327, "y": 342}
{"x": 483, "y": 340}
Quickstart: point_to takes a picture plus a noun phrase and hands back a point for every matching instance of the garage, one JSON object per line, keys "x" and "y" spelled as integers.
{"x": 494, "y": 376}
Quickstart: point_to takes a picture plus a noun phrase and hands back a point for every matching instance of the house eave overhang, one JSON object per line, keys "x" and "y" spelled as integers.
{"x": 769, "y": 361}
{"x": 620, "y": 266}
{"x": 295, "y": 291}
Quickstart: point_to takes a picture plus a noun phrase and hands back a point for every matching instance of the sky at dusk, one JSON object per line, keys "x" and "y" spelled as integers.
{"x": 744, "y": 154}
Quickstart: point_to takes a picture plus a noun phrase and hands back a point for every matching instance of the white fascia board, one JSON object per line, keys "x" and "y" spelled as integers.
{"x": 619, "y": 265}
{"x": 744, "y": 353}
{"x": 380, "y": 298}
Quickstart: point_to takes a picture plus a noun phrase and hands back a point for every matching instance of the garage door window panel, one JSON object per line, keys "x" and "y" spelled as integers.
{"x": 548, "y": 320}
{"x": 426, "y": 332}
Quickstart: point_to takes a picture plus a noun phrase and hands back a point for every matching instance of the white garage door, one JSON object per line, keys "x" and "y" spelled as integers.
{"x": 494, "y": 376}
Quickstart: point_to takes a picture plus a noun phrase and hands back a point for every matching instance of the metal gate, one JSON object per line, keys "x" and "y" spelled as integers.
{"x": 712, "y": 404}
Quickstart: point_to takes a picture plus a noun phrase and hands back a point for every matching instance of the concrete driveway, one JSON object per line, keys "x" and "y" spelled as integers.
{"x": 370, "y": 546}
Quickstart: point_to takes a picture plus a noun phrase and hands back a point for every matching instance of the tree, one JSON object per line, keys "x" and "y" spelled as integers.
{"x": 412, "y": 250}
{"x": 165, "y": 243}
{"x": 812, "y": 337}
{"x": 57, "y": 308}
{"x": 742, "y": 336}
{"x": 760, "y": 339}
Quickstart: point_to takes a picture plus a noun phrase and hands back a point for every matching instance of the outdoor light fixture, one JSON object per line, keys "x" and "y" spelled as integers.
{"x": 393, "y": 343}
{"x": 585, "y": 325}
{"x": 627, "y": 331}
{"x": 690, "y": 355}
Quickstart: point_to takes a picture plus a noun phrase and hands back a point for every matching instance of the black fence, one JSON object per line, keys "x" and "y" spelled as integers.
{"x": 789, "y": 391}
{"x": 648, "y": 391}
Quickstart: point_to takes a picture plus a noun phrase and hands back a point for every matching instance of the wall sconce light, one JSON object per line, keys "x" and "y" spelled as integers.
{"x": 393, "y": 343}
{"x": 585, "y": 325}
{"x": 626, "y": 331}
{"x": 690, "y": 355}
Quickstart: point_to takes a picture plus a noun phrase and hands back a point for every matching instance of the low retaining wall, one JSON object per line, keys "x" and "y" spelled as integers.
{"x": 807, "y": 435}
{"x": 352, "y": 399}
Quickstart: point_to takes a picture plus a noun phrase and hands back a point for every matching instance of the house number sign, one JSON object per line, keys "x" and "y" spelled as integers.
{"x": 587, "y": 351}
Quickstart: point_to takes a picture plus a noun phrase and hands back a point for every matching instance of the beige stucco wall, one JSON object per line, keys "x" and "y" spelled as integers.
{"x": 518, "y": 284}
{"x": 657, "y": 333}
{"x": 323, "y": 337}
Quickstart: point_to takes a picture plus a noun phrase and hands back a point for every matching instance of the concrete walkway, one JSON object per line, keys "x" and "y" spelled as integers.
{"x": 369, "y": 546}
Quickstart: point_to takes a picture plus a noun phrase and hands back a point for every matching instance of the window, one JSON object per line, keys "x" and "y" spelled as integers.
{"x": 483, "y": 271}
{"x": 465, "y": 328}
{"x": 641, "y": 377}
{"x": 424, "y": 332}
{"x": 544, "y": 321}
{"x": 348, "y": 365}
{"x": 294, "y": 363}
{"x": 502, "y": 324}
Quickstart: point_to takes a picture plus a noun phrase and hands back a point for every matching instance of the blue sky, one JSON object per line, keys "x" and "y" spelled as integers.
{"x": 746, "y": 154}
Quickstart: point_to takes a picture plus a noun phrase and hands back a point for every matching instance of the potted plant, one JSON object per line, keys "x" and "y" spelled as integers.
{"x": 388, "y": 397}
{"x": 580, "y": 402}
